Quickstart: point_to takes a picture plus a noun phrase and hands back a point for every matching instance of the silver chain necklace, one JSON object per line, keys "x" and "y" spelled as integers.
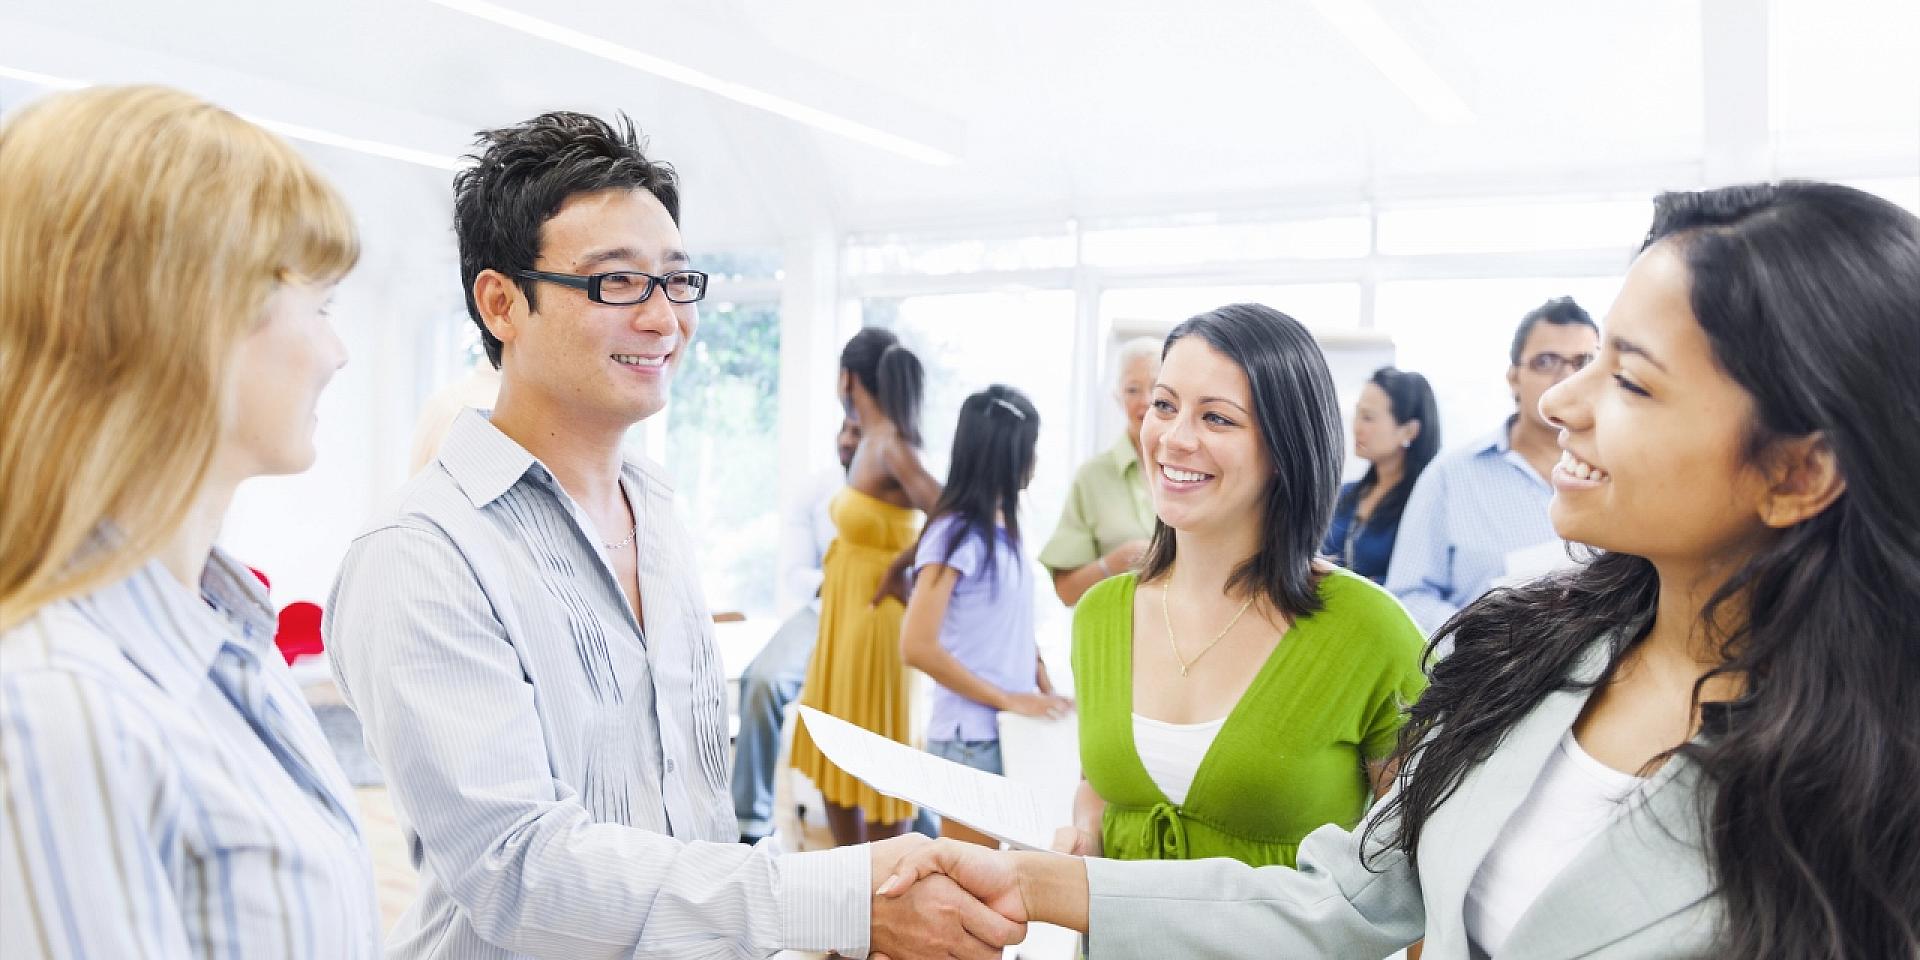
{"x": 630, "y": 535}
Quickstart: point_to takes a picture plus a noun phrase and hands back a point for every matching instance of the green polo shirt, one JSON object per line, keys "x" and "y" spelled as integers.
{"x": 1107, "y": 506}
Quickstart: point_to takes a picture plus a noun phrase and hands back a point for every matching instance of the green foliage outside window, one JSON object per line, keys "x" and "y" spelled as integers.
{"x": 723, "y": 452}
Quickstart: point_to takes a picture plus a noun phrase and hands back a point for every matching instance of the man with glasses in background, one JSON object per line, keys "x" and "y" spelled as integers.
{"x": 524, "y": 636}
{"x": 1478, "y": 518}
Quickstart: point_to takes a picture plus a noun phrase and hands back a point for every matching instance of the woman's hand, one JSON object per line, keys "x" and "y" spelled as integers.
{"x": 1021, "y": 887}
{"x": 894, "y": 582}
{"x": 1045, "y": 706}
{"x": 1076, "y": 842}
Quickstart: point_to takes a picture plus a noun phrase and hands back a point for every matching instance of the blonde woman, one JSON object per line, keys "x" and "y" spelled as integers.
{"x": 164, "y": 790}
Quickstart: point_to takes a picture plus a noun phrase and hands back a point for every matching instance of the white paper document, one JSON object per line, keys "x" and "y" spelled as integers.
{"x": 996, "y": 806}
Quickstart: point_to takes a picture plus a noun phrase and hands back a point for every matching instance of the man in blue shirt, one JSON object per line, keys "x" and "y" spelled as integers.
{"x": 1479, "y": 515}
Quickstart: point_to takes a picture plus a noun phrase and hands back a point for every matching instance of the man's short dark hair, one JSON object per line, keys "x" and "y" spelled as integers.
{"x": 523, "y": 174}
{"x": 1560, "y": 311}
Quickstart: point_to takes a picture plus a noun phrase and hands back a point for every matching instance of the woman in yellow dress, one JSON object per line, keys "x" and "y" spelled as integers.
{"x": 856, "y": 673}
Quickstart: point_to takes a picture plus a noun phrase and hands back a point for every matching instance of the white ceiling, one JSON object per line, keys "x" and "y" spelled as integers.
{"x": 1055, "y": 110}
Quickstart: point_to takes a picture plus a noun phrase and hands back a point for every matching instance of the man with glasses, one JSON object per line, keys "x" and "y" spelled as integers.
{"x": 524, "y": 637}
{"x": 1478, "y": 517}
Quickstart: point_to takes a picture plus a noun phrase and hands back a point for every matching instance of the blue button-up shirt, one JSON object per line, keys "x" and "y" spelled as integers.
{"x": 1467, "y": 512}
{"x": 560, "y": 773}
{"x": 167, "y": 791}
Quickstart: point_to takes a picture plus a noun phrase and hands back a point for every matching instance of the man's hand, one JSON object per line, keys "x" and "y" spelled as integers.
{"x": 1043, "y": 887}
{"x": 987, "y": 874}
{"x": 1126, "y": 556}
{"x": 936, "y": 918}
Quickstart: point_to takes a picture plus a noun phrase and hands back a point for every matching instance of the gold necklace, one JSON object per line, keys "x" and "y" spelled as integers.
{"x": 1174, "y": 645}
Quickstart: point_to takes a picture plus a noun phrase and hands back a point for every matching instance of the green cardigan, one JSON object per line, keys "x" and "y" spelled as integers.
{"x": 1290, "y": 757}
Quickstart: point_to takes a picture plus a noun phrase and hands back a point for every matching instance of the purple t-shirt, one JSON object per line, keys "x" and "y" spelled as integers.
{"x": 989, "y": 626}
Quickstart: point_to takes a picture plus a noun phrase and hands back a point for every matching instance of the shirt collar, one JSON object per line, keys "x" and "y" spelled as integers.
{"x": 483, "y": 462}
{"x": 1124, "y": 454}
{"x": 190, "y": 633}
{"x": 1498, "y": 442}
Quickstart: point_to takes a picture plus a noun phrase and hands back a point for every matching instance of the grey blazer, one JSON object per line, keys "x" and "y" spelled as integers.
{"x": 1641, "y": 889}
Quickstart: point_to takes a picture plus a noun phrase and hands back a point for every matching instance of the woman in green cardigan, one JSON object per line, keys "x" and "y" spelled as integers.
{"x": 1238, "y": 692}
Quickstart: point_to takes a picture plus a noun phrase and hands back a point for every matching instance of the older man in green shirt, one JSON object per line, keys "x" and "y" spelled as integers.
{"x": 1109, "y": 514}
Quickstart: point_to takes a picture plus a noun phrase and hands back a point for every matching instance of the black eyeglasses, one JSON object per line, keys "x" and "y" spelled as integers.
{"x": 626, "y": 287}
{"x": 1551, "y": 364}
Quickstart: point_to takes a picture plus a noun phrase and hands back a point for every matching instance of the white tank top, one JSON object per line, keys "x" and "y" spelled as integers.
{"x": 1172, "y": 752}
{"x": 1575, "y": 799}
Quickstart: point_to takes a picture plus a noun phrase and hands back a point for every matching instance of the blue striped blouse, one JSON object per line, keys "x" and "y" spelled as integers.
{"x": 165, "y": 790}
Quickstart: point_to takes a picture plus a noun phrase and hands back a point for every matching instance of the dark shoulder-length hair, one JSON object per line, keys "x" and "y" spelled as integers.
{"x": 1809, "y": 295}
{"x": 1298, "y": 420}
{"x": 992, "y": 462}
{"x": 1409, "y": 397}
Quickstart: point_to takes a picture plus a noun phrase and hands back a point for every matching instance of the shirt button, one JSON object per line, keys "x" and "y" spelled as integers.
{"x": 669, "y": 764}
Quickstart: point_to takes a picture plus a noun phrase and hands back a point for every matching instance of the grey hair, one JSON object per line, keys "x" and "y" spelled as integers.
{"x": 1138, "y": 348}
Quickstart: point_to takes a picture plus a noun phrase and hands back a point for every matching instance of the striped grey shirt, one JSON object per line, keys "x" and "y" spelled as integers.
{"x": 560, "y": 772}
{"x": 165, "y": 790}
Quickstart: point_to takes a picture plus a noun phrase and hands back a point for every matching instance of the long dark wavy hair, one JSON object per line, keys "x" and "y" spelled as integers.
{"x": 992, "y": 462}
{"x": 1810, "y": 297}
{"x": 1409, "y": 397}
{"x": 1299, "y": 422}
{"x": 891, "y": 374}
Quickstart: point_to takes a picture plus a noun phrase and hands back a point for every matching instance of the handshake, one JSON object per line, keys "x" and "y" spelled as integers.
{"x": 941, "y": 898}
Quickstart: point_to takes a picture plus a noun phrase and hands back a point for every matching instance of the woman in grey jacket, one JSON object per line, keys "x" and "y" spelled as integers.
{"x": 1704, "y": 742}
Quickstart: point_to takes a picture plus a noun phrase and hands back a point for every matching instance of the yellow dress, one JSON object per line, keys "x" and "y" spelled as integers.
{"x": 856, "y": 672}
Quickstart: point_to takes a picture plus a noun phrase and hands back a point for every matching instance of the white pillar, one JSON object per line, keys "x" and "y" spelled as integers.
{"x": 809, "y": 354}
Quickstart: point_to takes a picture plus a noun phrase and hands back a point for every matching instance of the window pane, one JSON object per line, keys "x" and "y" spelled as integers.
{"x": 1458, "y": 333}
{"x": 723, "y": 453}
{"x": 741, "y": 264}
{"x": 1318, "y": 305}
{"x": 899, "y": 255}
{"x": 1327, "y": 238}
{"x": 1491, "y": 228}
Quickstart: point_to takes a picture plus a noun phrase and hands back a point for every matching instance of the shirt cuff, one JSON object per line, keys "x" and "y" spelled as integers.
{"x": 826, "y": 900}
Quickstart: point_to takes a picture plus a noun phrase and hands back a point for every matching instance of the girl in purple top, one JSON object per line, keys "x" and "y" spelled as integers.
{"x": 969, "y": 624}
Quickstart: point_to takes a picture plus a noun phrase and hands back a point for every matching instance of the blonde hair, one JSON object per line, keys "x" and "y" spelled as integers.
{"x": 142, "y": 231}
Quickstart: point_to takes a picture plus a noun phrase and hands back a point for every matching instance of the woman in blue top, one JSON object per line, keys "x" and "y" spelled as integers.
{"x": 969, "y": 625}
{"x": 165, "y": 791}
{"x": 1396, "y": 429}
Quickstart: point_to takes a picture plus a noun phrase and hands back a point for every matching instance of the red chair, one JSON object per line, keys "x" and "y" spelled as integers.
{"x": 299, "y": 633}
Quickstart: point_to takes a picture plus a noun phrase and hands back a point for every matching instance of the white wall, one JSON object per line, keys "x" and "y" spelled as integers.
{"x": 398, "y": 304}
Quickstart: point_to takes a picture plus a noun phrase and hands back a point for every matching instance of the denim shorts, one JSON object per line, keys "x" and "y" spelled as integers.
{"x": 978, "y": 754}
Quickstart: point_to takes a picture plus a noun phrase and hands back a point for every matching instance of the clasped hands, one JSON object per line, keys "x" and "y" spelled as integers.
{"x": 942, "y": 898}
{"x": 930, "y": 901}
